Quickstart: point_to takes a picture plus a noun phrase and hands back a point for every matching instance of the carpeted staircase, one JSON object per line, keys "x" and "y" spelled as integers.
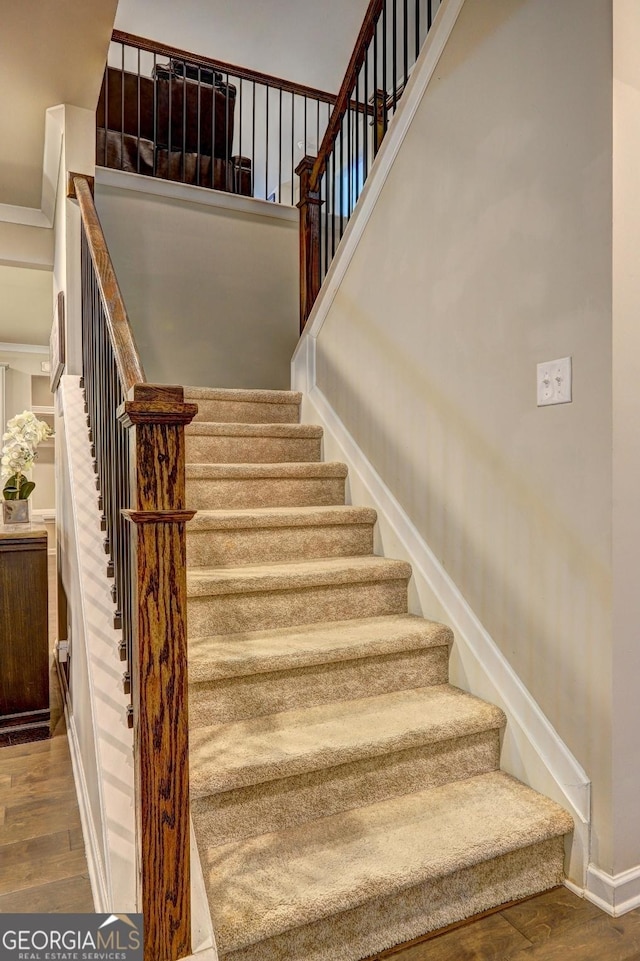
{"x": 345, "y": 797}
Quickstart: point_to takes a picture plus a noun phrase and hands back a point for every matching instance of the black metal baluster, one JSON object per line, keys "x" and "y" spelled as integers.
{"x": 349, "y": 158}
{"x": 227, "y": 157}
{"x": 122, "y": 106}
{"x": 293, "y": 141}
{"x": 106, "y": 110}
{"x": 183, "y": 158}
{"x": 357, "y": 134}
{"x": 417, "y": 27}
{"x": 170, "y": 145}
{"x": 385, "y": 42}
{"x": 405, "y": 41}
{"x": 333, "y": 200}
{"x": 341, "y": 178}
{"x": 266, "y": 126}
{"x": 240, "y": 122}
{"x": 394, "y": 62}
{"x": 429, "y": 15}
{"x": 138, "y": 115}
{"x": 376, "y": 145}
{"x": 199, "y": 121}
{"x": 155, "y": 118}
{"x": 304, "y": 151}
{"x": 253, "y": 142}
{"x": 214, "y": 115}
{"x": 365, "y": 136}
{"x": 327, "y": 214}
{"x": 280, "y": 146}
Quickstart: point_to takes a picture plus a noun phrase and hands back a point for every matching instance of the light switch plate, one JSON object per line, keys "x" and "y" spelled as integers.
{"x": 554, "y": 382}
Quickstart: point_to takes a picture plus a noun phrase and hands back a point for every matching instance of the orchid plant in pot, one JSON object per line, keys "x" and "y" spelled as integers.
{"x": 24, "y": 433}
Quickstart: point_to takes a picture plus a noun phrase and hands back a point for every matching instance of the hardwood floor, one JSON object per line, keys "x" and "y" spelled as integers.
{"x": 555, "y": 926}
{"x": 43, "y": 868}
{"x": 42, "y": 860}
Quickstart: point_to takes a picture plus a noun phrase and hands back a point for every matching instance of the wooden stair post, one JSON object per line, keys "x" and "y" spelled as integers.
{"x": 309, "y": 206}
{"x": 157, "y": 416}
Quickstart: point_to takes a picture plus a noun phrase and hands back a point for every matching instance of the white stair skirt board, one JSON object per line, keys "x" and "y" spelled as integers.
{"x": 111, "y": 829}
{"x": 532, "y": 750}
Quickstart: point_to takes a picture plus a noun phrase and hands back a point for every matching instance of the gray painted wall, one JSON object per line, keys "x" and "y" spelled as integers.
{"x": 211, "y": 291}
{"x": 488, "y": 252}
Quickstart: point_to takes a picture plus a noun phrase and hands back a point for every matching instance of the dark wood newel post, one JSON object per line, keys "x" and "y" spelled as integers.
{"x": 157, "y": 417}
{"x": 309, "y": 206}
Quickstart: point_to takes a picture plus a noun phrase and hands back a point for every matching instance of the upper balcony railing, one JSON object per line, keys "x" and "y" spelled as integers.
{"x": 385, "y": 52}
{"x": 168, "y": 113}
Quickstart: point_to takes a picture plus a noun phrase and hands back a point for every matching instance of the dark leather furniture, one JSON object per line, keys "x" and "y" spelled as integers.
{"x": 171, "y": 126}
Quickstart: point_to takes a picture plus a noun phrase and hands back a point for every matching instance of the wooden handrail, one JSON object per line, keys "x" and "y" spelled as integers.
{"x": 245, "y": 73}
{"x": 343, "y": 100}
{"x": 154, "y": 505}
{"x": 126, "y": 353}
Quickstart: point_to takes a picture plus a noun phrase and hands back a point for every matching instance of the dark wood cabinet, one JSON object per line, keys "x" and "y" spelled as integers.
{"x": 24, "y": 644}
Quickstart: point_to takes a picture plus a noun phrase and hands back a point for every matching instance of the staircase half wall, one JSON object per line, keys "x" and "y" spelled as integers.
{"x": 209, "y": 279}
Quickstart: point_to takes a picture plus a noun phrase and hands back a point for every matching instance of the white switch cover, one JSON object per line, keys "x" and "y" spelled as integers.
{"x": 554, "y": 382}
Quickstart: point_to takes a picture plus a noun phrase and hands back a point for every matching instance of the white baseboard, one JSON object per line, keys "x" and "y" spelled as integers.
{"x": 614, "y": 893}
{"x": 97, "y": 878}
{"x": 531, "y": 749}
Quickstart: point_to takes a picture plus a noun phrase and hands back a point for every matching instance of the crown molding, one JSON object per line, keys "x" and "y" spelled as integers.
{"x": 24, "y": 348}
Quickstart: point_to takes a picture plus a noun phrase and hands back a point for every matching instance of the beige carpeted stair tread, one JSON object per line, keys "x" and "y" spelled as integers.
{"x": 243, "y": 395}
{"x": 266, "y": 885}
{"x": 280, "y": 431}
{"x": 227, "y": 756}
{"x": 203, "y": 582}
{"x": 237, "y": 655}
{"x": 284, "y": 469}
{"x": 270, "y": 517}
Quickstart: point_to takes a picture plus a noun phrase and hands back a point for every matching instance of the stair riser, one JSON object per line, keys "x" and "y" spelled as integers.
{"x": 274, "y": 545}
{"x": 387, "y": 921}
{"x": 230, "y": 613}
{"x": 244, "y": 412}
{"x": 221, "y": 449}
{"x": 205, "y": 495}
{"x": 238, "y": 698}
{"x": 265, "y": 492}
{"x": 273, "y": 805}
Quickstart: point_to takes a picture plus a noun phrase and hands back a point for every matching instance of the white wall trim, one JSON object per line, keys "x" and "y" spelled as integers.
{"x": 24, "y": 348}
{"x": 532, "y": 749}
{"x": 424, "y": 69}
{"x": 614, "y": 893}
{"x": 97, "y": 877}
{"x": 188, "y": 193}
{"x": 44, "y": 215}
{"x": 78, "y": 469}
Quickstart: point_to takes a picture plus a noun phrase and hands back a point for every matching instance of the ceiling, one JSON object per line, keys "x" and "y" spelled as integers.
{"x": 50, "y": 53}
{"x": 298, "y": 40}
